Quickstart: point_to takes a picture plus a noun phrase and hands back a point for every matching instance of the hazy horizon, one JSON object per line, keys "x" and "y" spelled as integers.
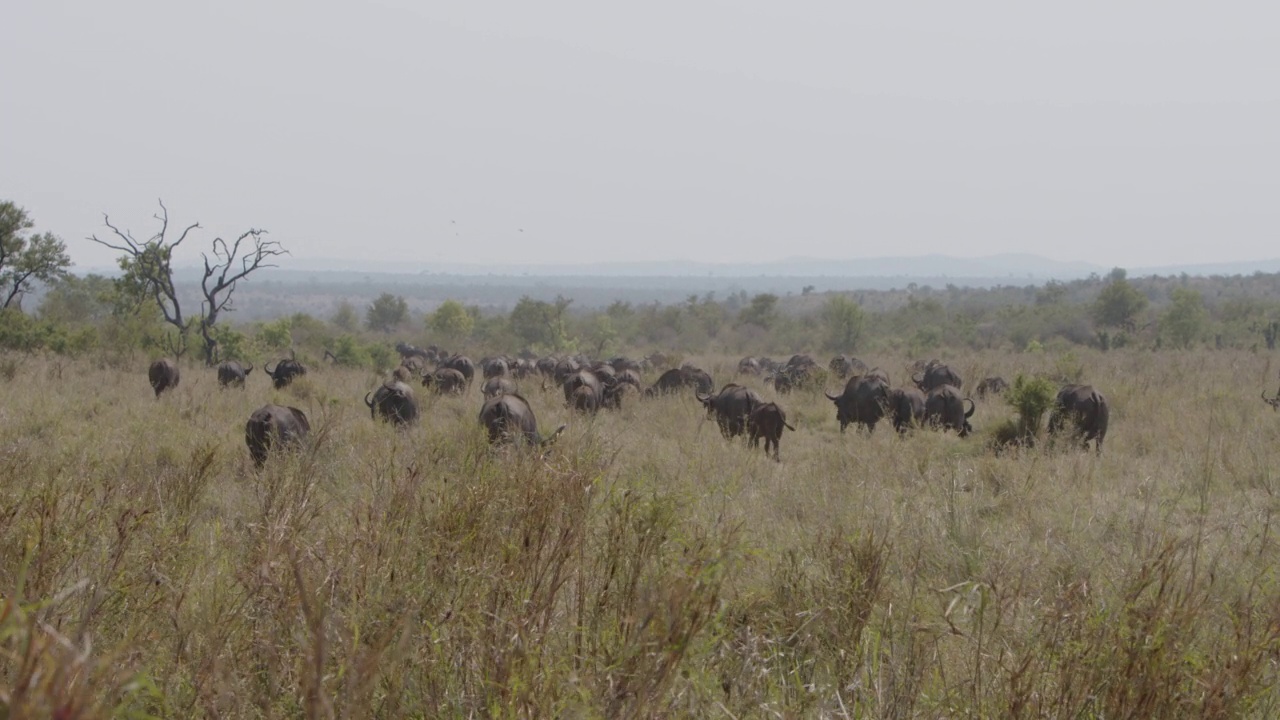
{"x": 574, "y": 133}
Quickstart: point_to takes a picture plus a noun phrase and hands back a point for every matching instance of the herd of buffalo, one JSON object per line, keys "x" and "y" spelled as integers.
{"x": 934, "y": 398}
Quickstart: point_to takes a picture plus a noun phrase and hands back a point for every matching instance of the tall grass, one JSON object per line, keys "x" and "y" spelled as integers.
{"x": 646, "y": 567}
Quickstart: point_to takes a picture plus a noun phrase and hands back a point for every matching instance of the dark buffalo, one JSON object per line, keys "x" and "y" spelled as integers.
{"x": 843, "y": 366}
{"x": 936, "y": 374}
{"x": 630, "y": 377}
{"x": 677, "y": 379}
{"x": 497, "y": 386}
{"x": 906, "y": 408}
{"x": 1084, "y": 407}
{"x": 748, "y": 366}
{"x": 408, "y": 351}
{"x": 274, "y": 426}
{"x": 583, "y": 379}
{"x": 616, "y": 394}
{"x": 462, "y": 364}
{"x": 508, "y": 418}
{"x": 864, "y": 401}
{"x": 731, "y": 407}
{"x": 403, "y": 373}
{"x": 393, "y": 401}
{"x": 564, "y": 368}
{"x": 494, "y": 367}
{"x": 994, "y": 385}
{"x": 799, "y": 371}
{"x": 605, "y": 372}
{"x": 767, "y": 421}
{"x": 944, "y": 408}
{"x": 232, "y": 373}
{"x": 163, "y": 375}
{"x": 622, "y": 364}
{"x": 546, "y": 366}
{"x": 584, "y": 399}
{"x": 446, "y": 381}
{"x": 522, "y": 368}
{"x": 284, "y": 372}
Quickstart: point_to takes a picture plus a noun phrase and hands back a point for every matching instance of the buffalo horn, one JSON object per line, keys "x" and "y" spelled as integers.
{"x": 830, "y": 396}
{"x": 367, "y": 401}
{"x": 269, "y": 370}
{"x": 972, "y": 406}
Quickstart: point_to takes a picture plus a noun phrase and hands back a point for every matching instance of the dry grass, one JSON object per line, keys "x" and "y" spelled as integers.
{"x": 646, "y": 568}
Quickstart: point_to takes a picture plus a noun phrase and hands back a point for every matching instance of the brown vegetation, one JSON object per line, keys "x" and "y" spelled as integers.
{"x": 644, "y": 567}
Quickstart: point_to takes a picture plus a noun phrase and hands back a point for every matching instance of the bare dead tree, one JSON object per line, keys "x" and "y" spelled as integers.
{"x": 221, "y": 276}
{"x": 148, "y": 273}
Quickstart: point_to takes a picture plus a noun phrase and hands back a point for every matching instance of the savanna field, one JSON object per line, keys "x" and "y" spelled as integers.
{"x": 646, "y": 566}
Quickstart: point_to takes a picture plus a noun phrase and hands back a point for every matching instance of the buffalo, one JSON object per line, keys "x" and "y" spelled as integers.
{"x": 284, "y": 372}
{"x": 1086, "y": 408}
{"x": 564, "y": 368}
{"x": 546, "y": 366}
{"x": 494, "y": 367}
{"x": 583, "y": 379}
{"x": 865, "y": 400}
{"x": 393, "y": 402}
{"x": 585, "y": 399}
{"x": 748, "y": 366}
{"x": 944, "y": 408}
{"x": 906, "y": 408}
{"x": 614, "y": 395}
{"x": 843, "y": 366}
{"x": 445, "y": 381}
{"x": 623, "y": 364}
{"x": 408, "y": 351}
{"x": 274, "y": 426}
{"x": 767, "y": 421}
{"x": 994, "y": 385}
{"x": 936, "y": 374}
{"x": 508, "y": 418}
{"x": 163, "y": 375}
{"x": 232, "y": 373}
{"x": 497, "y": 386}
{"x": 677, "y": 379}
{"x": 731, "y": 407}
{"x": 629, "y": 377}
{"x": 462, "y": 364}
{"x": 797, "y": 372}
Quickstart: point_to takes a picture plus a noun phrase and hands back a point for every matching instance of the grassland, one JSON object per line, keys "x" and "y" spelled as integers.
{"x": 647, "y": 567}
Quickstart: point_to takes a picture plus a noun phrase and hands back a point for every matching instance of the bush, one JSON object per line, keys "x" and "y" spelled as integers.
{"x": 1030, "y": 397}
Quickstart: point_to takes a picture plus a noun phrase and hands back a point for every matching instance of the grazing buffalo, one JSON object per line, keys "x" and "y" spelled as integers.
{"x": 408, "y": 351}
{"x": 462, "y": 364}
{"x": 630, "y": 377}
{"x": 623, "y": 364}
{"x": 564, "y": 368}
{"x": 546, "y": 366}
{"x": 906, "y": 408}
{"x": 393, "y": 402}
{"x": 232, "y": 373}
{"x": 284, "y": 372}
{"x": 163, "y": 375}
{"x": 402, "y": 373}
{"x": 731, "y": 407}
{"x": 994, "y": 385}
{"x": 446, "y": 381}
{"x": 494, "y": 367}
{"x": 748, "y": 366}
{"x": 936, "y": 374}
{"x": 274, "y": 426}
{"x": 843, "y": 366}
{"x": 508, "y": 418}
{"x": 865, "y": 400}
{"x": 584, "y": 399}
{"x": 767, "y": 421}
{"x": 614, "y": 395}
{"x": 678, "y": 379}
{"x": 583, "y": 379}
{"x": 944, "y": 408}
{"x": 1086, "y": 409}
{"x": 497, "y": 386}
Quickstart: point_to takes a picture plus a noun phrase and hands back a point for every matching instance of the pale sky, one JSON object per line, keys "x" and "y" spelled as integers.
{"x": 1117, "y": 133}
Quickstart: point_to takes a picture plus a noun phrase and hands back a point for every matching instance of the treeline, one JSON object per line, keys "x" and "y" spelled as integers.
{"x": 94, "y": 315}
{"x": 142, "y": 313}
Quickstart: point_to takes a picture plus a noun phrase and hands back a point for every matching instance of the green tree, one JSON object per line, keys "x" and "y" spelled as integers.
{"x": 275, "y": 335}
{"x": 386, "y": 313}
{"x": 451, "y": 322}
{"x": 762, "y": 311}
{"x": 843, "y": 321}
{"x": 1119, "y": 303}
{"x": 24, "y": 258}
{"x": 345, "y": 317}
{"x": 1185, "y": 321}
{"x": 70, "y": 300}
{"x": 540, "y": 323}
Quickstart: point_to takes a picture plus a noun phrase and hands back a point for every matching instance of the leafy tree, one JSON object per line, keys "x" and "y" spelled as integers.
{"x": 844, "y": 322}
{"x": 1185, "y": 320}
{"x": 90, "y": 299}
{"x": 540, "y": 323}
{"x": 1119, "y": 303}
{"x": 349, "y": 352}
{"x": 386, "y": 313}
{"x": 602, "y": 334}
{"x": 762, "y": 311}
{"x": 451, "y": 321}
{"x": 148, "y": 275}
{"x": 1030, "y": 397}
{"x": 275, "y": 335}
{"x": 24, "y": 258}
{"x": 231, "y": 343}
{"x": 345, "y": 318}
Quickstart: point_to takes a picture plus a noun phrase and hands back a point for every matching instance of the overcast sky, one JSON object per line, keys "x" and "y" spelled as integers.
{"x": 1114, "y": 133}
